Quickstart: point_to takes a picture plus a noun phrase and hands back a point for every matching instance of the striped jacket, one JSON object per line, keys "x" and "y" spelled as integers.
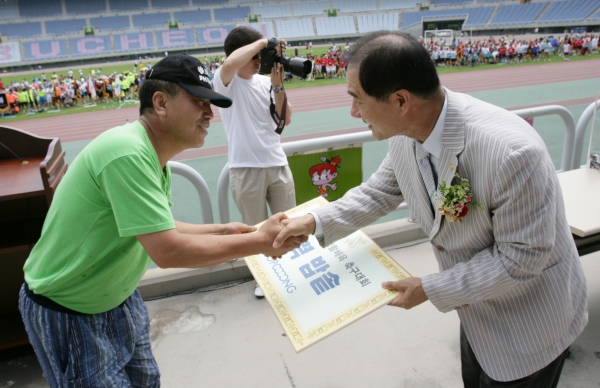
{"x": 511, "y": 271}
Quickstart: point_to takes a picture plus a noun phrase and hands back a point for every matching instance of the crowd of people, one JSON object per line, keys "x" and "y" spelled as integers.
{"x": 44, "y": 93}
{"x": 504, "y": 50}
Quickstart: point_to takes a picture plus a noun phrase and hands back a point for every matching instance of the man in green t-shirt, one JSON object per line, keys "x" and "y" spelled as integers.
{"x": 109, "y": 217}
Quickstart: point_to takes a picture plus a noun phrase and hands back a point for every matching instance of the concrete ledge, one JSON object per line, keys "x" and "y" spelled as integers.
{"x": 159, "y": 282}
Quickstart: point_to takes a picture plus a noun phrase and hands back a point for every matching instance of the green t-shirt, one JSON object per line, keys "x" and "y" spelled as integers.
{"x": 88, "y": 258}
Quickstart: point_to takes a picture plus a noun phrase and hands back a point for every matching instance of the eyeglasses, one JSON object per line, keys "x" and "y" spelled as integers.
{"x": 257, "y": 56}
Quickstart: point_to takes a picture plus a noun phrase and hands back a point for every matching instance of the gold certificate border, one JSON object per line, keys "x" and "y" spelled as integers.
{"x": 302, "y": 339}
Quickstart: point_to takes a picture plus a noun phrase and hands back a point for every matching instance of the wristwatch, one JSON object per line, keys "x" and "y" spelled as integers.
{"x": 278, "y": 89}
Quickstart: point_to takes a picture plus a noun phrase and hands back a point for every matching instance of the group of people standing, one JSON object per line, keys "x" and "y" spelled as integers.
{"x": 505, "y": 50}
{"x": 41, "y": 94}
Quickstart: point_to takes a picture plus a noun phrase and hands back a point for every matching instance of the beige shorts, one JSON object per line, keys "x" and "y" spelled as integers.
{"x": 252, "y": 188}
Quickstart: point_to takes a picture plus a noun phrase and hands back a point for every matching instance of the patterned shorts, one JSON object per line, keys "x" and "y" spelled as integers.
{"x": 110, "y": 349}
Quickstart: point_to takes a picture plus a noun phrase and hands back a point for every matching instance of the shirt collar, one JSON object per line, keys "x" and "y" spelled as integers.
{"x": 433, "y": 143}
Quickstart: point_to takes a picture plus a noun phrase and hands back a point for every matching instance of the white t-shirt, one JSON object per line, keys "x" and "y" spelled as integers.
{"x": 248, "y": 125}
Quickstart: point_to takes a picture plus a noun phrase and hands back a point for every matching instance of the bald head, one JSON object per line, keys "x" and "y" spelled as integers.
{"x": 388, "y": 61}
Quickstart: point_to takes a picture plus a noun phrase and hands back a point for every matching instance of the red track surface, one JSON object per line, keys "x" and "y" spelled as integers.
{"x": 86, "y": 126}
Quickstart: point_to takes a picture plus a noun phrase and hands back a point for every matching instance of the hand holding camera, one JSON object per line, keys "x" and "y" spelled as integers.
{"x": 275, "y": 53}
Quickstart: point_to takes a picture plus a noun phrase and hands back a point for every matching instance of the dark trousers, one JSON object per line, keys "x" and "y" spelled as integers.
{"x": 474, "y": 376}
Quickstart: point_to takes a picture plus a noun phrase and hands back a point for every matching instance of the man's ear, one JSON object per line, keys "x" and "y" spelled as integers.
{"x": 401, "y": 99}
{"x": 159, "y": 101}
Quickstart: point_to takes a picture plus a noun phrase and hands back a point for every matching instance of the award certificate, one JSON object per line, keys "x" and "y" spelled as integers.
{"x": 316, "y": 291}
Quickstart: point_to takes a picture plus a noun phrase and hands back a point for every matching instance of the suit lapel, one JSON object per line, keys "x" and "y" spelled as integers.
{"x": 453, "y": 143}
{"x": 422, "y": 201}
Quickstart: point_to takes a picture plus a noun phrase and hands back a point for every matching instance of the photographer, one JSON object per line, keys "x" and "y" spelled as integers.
{"x": 258, "y": 167}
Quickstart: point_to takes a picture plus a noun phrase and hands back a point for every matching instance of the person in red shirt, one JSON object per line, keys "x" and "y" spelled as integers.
{"x": 502, "y": 53}
{"x": 317, "y": 66}
{"x": 1, "y": 85}
{"x": 342, "y": 67}
{"x": 511, "y": 53}
{"x": 331, "y": 67}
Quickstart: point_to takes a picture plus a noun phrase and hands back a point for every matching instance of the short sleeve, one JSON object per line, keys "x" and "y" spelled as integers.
{"x": 138, "y": 195}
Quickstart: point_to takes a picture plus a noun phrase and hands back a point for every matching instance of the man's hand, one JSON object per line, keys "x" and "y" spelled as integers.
{"x": 281, "y": 48}
{"x": 277, "y": 73}
{"x": 300, "y": 226}
{"x": 411, "y": 292}
{"x": 272, "y": 228}
{"x": 237, "y": 228}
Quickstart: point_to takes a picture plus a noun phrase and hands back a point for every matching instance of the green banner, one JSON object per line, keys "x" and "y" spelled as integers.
{"x": 173, "y": 24}
{"x": 253, "y": 18}
{"x": 332, "y": 12}
{"x": 329, "y": 174}
{"x": 87, "y": 31}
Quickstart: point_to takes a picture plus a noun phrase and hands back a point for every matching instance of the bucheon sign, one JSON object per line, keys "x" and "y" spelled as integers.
{"x": 90, "y": 45}
{"x": 104, "y": 44}
{"x": 173, "y": 38}
{"x": 45, "y": 49}
{"x": 10, "y": 52}
{"x": 212, "y": 35}
{"x": 141, "y": 41}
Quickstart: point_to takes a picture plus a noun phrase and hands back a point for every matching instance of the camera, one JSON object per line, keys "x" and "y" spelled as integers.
{"x": 268, "y": 56}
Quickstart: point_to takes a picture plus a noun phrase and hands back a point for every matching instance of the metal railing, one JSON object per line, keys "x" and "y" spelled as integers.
{"x": 201, "y": 187}
{"x": 572, "y": 149}
{"x": 567, "y": 156}
{"x": 580, "y": 131}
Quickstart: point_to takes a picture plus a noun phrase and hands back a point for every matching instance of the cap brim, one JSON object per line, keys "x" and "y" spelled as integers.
{"x": 215, "y": 98}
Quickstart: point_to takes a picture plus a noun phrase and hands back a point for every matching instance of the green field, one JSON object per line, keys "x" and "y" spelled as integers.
{"x": 296, "y": 83}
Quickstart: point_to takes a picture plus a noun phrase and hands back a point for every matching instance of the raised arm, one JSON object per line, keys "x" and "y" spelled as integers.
{"x": 239, "y": 58}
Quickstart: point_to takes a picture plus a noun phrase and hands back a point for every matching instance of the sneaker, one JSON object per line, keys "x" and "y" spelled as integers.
{"x": 258, "y": 292}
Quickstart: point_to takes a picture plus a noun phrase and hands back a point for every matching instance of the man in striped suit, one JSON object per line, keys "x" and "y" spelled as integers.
{"x": 510, "y": 267}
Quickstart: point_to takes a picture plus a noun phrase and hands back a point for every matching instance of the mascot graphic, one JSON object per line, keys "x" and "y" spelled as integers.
{"x": 323, "y": 173}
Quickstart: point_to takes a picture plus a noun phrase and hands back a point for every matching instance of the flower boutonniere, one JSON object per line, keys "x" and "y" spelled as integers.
{"x": 455, "y": 198}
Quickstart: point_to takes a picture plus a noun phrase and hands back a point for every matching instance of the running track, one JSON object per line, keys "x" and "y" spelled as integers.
{"x": 86, "y": 126}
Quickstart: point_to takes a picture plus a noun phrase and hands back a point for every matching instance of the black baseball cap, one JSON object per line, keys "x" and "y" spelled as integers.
{"x": 188, "y": 72}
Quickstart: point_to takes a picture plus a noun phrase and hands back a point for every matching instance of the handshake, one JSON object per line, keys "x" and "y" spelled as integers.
{"x": 280, "y": 234}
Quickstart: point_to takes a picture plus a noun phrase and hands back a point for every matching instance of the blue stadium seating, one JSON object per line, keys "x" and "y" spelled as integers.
{"x": 110, "y": 22}
{"x": 310, "y": 8}
{"x": 374, "y": 22}
{"x": 21, "y": 30}
{"x": 441, "y": 3}
{"x": 58, "y": 27}
{"x": 36, "y": 8}
{"x": 128, "y": 5}
{"x": 573, "y": 10}
{"x": 211, "y": 2}
{"x": 335, "y": 26}
{"x": 298, "y": 28}
{"x": 517, "y": 13}
{"x": 170, "y": 3}
{"x": 151, "y": 20}
{"x": 273, "y": 10}
{"x": 479, "y": 16}
{"x": 87, "y": 6}
{"x": 595, "y": 16}
{"x": 8, "y": 11}
{"x": 231, "y": 14}
{"x": 352, "y": 6}
{"x": 397, "y": 4}
{"x": 197, "y": 16}
{"x": 412, "y": 18}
